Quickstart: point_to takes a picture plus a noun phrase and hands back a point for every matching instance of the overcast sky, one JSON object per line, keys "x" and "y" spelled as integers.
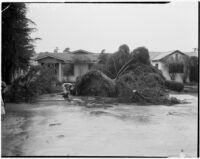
{"x": 93, "y": 27}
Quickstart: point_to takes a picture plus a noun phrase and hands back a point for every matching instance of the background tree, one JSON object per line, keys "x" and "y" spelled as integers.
{"x": 117, "y": 60}
{"x": 37, "y": 80}
{"x": 138, "y": 55}
{"x": 141, "y": 54}
{"x": 116, "y": 64}
{"x": 101, "y": 65}
{"x": 103, "y": 58}
{"x": 193, "y": 69}
{"x": 103, "y": 51}
{"x": 17, "y": 45}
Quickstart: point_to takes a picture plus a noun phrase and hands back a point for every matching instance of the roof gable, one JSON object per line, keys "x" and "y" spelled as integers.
{"x": 49, "y": 59}
{"x": 163, "y": 55}
{"x": 46, "y": 55}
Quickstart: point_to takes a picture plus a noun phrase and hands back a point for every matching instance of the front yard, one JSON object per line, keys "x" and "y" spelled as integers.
{"x": 53, "y": 127}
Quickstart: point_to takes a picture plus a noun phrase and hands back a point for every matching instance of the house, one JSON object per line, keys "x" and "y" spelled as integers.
{"x": 68, "y": 65}
{"x": 71, "y": 64}
{"x": 173, "y": 64}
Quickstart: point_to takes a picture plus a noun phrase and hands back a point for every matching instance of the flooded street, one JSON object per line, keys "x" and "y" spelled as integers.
{"x": 56, "y": 128}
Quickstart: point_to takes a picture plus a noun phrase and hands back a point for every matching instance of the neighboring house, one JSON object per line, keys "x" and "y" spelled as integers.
{"x": 173, "y": 64}
{"x": 77, "y": 62}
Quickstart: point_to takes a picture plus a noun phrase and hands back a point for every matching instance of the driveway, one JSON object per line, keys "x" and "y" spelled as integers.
{"x": 53, "y": 127}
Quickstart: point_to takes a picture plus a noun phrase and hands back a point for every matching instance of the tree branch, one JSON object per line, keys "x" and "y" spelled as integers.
{"x": 5, "y": 8}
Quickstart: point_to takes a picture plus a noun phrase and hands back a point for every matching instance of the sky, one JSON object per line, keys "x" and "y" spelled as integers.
{"x": 94, "y": 27}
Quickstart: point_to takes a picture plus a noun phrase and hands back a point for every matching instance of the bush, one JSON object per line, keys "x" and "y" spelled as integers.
{"x": 175, "y": 86}
{"x": 38, "y": 80}
{"x": 47, "y": 80}
{"x": 24, "y": 88}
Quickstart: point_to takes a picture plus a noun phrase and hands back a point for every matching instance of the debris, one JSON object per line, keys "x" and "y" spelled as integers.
{"x": 137, "y": 81}
{"x": 140, "y": 87}
{"x": 182, "y": 155}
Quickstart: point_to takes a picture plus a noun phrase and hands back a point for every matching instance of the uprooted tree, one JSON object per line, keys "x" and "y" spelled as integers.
{"x": 36, "y": 81}
{"x": 128, "y": 76}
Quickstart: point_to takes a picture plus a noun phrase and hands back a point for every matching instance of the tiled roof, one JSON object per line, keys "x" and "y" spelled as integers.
{"x": 80, "y": 55}
{"x": 191, "y": 53}
{"x": 153, "y": 54}
{"x": 83, "y": 55}
{"x": 161, "y": 55}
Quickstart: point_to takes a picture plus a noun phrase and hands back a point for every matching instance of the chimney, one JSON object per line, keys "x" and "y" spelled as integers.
{"x": 195, "y": 49}
{"x": 56, "y": 50}
{"x": 66, "y": 50}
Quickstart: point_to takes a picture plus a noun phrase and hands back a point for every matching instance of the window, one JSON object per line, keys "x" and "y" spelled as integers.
{"x": 68, "y": 70}
{"x": 176, "y": 68}
{"x": 71, "y": 69}
{"x": 90, "y": 66}
{"x": 176, "y": 57}
{"x": 156, "y": 65}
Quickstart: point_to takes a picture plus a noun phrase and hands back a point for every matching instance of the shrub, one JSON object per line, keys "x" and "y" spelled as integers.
{"x": 175, "y": 86}
{"x": 24, "y": 88}
{"x": 47, "y": 80}
{"x": 38, "y": 80}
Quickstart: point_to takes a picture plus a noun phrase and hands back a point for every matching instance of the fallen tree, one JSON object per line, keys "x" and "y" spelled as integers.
{"x": 95, "y": 83}
{"x": 132, "y": 87}
{"x": 136, "y": 81}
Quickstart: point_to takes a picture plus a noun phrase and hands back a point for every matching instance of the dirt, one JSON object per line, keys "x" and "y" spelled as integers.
{"x": 60, "y": 128}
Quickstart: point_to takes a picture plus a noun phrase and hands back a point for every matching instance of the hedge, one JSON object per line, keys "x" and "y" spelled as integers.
{"x": 175, "y": 86}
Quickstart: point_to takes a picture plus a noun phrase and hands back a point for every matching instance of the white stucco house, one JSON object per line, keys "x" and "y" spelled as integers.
{"x": 79, "y": 62}
{"x": 173, "y": 64}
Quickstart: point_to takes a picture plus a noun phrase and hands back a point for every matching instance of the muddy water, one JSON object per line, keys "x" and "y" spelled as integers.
{"x": 61, "y": 129}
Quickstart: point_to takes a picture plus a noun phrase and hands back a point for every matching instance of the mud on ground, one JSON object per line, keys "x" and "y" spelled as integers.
{"x": 53, "y": 127}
